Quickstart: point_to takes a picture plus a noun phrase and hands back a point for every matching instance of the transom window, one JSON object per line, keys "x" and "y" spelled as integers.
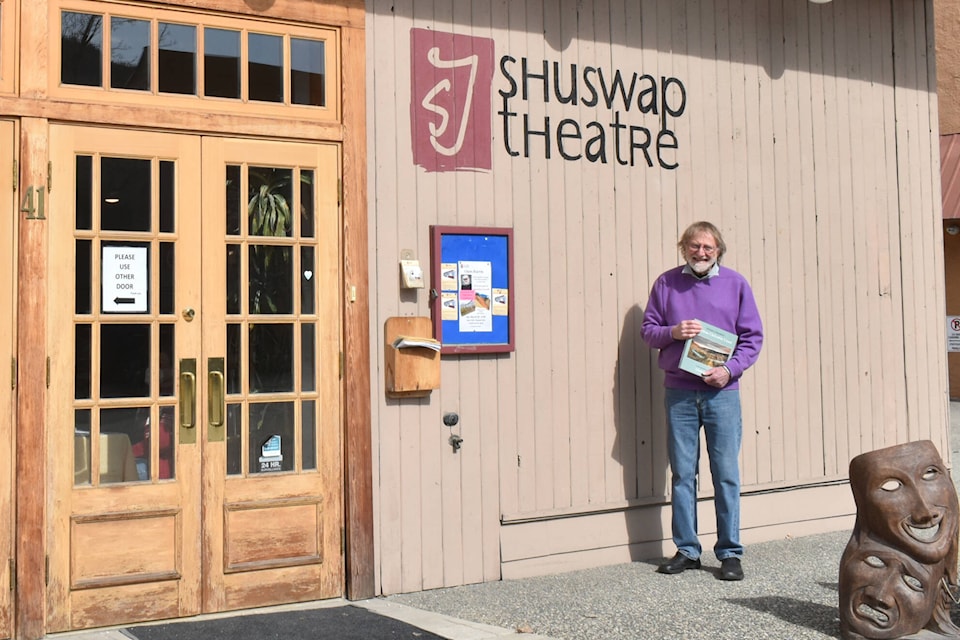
{"x": 124, "y": 51}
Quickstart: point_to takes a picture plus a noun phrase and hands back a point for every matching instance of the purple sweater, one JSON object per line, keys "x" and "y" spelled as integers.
{"x": 725, "y": 300}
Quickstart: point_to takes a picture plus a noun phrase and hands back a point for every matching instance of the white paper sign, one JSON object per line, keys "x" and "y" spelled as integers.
{"x": 124, "y": 280}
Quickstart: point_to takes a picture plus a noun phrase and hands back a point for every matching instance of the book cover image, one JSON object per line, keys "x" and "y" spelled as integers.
{"x": 708, "y": 349}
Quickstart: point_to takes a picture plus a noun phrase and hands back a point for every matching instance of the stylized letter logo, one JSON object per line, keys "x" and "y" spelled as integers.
{"x": 452, "y": 78}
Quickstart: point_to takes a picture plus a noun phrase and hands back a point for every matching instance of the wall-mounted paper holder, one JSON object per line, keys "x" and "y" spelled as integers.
{"x": 411, "y": 274}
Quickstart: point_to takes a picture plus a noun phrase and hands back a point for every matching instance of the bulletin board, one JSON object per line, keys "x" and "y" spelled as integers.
{"x": 471, "y": 274}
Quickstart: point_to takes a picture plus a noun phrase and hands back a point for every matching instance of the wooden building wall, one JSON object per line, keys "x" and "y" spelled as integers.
{"x": 808, "y": 136}
{"x": 947, "y": 18}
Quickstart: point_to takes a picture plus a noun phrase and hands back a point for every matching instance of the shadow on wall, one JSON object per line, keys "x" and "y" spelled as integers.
{"x": 640, "y": 444}
{"x": 771, "y": 35}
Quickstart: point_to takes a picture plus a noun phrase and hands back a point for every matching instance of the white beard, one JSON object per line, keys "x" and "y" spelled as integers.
{"x": 701, "y": 268}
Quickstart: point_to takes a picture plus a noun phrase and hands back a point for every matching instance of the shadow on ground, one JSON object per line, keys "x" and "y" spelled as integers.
{"x": 801, "y": 613}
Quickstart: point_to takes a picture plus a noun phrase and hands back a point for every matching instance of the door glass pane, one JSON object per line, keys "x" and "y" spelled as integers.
{"x": 270, "y": 202}
{"x": 271, "y": 358}
{"x": 81, "y": 447}
{"x": 165, "y": 367}
{"x": 309, "y": 435}
{"x": 125, "y": 187}
{"x": 308, "y": 363}
{"x": 233, "y": 278}
{"x": 265, "y": 68}
{"x": 307, "y": 287}
{"x": 234, "y": 438}
{"x": 167, "y": 199}
{"x": 125, "y": 275}
{"x": 307, "y": 212}
{"x": 82, "y": 277}
{"x": 233, "y": 363}
{"x": 82, "y": 353}
{"x": 164, "y": 437}
{"x": 233, "y": 200}
{"x": 129, "y": 54}
{"x": 167, "y": 269}
{"x": 271, "y": 279}
{"x": 120, "y": 430}
{"x": 221, "y": 63}
{"x": 124, "y": 360}
{"x": 271, "y": 437}
{"x": 307, "y": 72}
{"x": 81, "y": 46}
{"x": 84, "y": 196}
{"x": 177, "y": 58}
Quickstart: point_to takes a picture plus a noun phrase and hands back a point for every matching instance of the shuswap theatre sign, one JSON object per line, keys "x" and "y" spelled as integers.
{"x": 632, "y": 123}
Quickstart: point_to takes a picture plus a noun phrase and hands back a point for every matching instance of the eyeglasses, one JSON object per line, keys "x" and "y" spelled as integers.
{"x": 706, "y": 248}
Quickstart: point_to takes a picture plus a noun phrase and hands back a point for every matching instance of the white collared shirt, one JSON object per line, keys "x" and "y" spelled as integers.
{"x": 714, "y": 271}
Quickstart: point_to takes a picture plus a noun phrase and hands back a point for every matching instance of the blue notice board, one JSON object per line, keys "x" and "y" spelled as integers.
{"x": 472, "y": 288}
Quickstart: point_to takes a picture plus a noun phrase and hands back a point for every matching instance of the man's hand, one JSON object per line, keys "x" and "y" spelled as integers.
{"x": 685, "y": 329}
{"x": 718, "y": 377}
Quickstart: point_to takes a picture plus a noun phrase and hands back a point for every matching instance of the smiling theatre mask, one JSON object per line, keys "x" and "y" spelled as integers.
{"x": 897, "y": 569}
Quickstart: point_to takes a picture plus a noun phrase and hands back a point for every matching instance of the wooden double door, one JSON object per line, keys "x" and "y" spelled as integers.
{"x": 194, "y": 405}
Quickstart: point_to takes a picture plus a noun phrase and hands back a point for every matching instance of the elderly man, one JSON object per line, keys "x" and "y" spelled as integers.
{"x": 702, "y": 290}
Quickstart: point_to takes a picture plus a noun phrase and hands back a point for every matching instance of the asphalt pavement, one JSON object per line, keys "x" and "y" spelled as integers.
{"x": 789, "y": 593}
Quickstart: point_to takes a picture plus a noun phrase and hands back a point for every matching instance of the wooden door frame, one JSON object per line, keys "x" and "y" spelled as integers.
{"x": 31, "y": 433}
{"x": 358, "y": 430}
{"x": 8, "y": 326}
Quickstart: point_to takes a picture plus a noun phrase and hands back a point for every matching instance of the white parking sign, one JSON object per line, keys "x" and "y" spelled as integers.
{"x": 953, "y": 333}
{"x": 124, "y": 279}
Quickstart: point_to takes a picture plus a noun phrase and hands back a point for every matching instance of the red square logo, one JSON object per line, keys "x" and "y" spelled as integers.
{"x": 450, "y": 106}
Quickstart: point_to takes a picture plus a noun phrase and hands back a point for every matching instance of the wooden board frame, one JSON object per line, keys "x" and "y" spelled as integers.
{"x": 492, "y": 246}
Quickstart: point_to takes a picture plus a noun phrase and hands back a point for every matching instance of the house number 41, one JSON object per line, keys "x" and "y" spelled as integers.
{"x": 33, "y": 203}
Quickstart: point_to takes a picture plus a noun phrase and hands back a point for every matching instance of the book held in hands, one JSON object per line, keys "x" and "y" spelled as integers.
{"x": 708, "y": 349}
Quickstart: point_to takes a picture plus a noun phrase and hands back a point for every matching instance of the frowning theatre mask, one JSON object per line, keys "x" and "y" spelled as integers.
{"x": 884, "y": 593}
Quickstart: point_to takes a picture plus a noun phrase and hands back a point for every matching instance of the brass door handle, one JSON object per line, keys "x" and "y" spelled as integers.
{"x": 216, "y": 399}
{"x": 188, "y": 401}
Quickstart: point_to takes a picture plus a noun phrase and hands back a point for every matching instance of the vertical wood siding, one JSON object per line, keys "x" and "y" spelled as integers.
{"x": 809, "y": 137}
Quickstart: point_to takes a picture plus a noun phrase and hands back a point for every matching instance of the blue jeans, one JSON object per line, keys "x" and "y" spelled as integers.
{"x": 718, "y": 412}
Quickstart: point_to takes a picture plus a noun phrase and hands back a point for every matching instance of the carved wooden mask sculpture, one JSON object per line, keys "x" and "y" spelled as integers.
{"x": 899, "y": 569}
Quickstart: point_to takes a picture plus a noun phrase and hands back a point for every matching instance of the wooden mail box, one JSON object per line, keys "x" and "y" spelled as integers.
{"x": 411, "y": 370}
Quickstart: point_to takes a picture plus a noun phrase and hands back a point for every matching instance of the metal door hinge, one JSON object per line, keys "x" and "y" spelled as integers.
{"x": 343, "y": 543}
{"x": 16, "y": 174}
{"x": 46, "y": 570}
{"x": 341, "y": 364}
{"x": 49, "y": 176}
{"x": 13, "y": 575}
{"x": 13, "y": 373}
{"x": 339, "y": 190}
{"x": 48, "y": 372}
